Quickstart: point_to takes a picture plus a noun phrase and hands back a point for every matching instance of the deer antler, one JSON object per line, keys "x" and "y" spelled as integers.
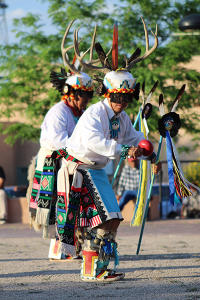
{"x": 91, "y": 64}
{"x": 64, "y": 51}
{"x": 148, "y": 51}
{"x": 92, "y": 47}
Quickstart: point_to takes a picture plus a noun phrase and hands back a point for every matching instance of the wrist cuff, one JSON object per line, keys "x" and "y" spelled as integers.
{"x": 152, "y": 158}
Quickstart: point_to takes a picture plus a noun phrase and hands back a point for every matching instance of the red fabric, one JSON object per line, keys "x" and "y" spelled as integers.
{"x": 55, "y": 250}
{"x": 74, "y": 111}
{"x": 89, "y": 264}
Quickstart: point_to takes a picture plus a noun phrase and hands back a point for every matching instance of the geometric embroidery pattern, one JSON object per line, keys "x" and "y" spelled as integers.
{"x": 91, "y": 204}
{"x": 84, "y": 209}
{"x": 44, "y": 190}
{"x": 45, "y": 182}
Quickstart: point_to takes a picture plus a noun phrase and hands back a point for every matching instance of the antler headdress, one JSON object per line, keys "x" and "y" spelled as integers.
{"x": 119, "y": 80}
{"x": 76, "y": 78}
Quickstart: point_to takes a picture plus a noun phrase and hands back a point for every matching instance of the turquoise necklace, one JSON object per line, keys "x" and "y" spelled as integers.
{"x": 114, "y": 127}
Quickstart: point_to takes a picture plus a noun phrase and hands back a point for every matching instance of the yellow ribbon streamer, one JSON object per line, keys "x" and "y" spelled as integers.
{"x": 141, "y": 197}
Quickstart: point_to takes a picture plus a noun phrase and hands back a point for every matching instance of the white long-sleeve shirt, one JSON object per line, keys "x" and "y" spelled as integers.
{"x": 57, "y": 127}
{"x": 91, "y": 136}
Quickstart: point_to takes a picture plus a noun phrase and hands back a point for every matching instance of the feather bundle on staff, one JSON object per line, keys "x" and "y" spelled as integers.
{"x": 168, "y": 127}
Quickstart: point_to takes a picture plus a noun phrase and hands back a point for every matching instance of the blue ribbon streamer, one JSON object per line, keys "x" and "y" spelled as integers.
{"x": 107, "y": 248}
{"x": 115, "y": 255}
{"x": 177, "y": 199}
{"x": 172, "y": 189}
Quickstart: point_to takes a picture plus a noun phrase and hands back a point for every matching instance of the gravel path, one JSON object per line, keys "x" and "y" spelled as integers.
{"x": 168, "y": 266}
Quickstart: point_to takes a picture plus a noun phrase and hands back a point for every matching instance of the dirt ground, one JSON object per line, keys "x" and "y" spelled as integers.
{"x": 168, "y": 266}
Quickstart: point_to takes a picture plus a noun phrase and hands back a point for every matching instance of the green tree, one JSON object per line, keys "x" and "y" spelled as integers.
{"x": 27, "y": 64}
{"x": 192, "y": 172}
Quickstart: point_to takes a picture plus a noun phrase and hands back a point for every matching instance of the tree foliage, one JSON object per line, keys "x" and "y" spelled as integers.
{"x": 192, "y": 172}
{"x": 25, "y": 65}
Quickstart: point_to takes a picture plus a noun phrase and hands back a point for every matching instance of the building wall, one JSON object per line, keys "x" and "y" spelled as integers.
{"x": 7, "y": 161}
{"x": 15, "y": 160}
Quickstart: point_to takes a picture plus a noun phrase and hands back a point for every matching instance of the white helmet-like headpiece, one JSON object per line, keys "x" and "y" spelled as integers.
{"x": 119, "y": 81}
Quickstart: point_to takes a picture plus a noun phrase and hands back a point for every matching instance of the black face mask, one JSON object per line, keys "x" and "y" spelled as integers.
{"x": 121, "y": 98}
{"x": 86, "y": 94}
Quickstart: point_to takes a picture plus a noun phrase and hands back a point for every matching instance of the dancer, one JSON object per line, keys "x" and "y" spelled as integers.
{"x": 76, "y": 91}
{"x": 85, "y": 196}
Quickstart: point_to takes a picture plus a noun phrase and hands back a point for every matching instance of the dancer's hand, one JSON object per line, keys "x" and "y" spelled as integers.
{"x": 135, "y": 152}
{"x": 156, "y": 167}
{"x": 118, "y": 198}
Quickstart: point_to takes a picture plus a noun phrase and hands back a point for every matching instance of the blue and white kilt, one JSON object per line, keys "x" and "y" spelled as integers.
{"x": 105, "y": 194}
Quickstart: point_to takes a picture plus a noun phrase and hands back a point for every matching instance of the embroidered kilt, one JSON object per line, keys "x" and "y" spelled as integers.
{"x": 44, "y": 191}
{"x": 84, "y": 200}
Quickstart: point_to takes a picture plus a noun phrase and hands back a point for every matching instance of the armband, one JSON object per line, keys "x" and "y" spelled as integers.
{"x": 124, "y": 152}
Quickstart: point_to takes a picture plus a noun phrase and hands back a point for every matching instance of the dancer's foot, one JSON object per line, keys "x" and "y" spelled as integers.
{"x": 67, "y": 258}
{"x": 105, "y": 276}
